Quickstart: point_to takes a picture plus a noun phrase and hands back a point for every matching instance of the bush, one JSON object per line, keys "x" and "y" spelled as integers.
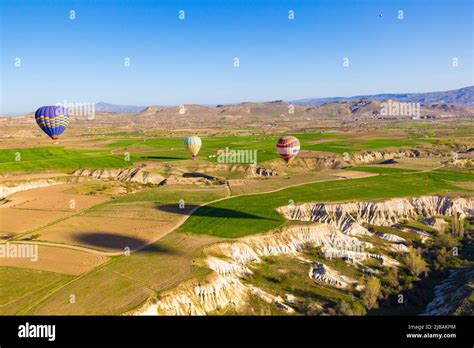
{"x": 350, "y": 307}
{"x": 446, "y": 240}
{"x": 371, "y": 293}
{"x": 441, "y": 258}
{"x": 392, "y": 278}
{"x": 415, "y": 263}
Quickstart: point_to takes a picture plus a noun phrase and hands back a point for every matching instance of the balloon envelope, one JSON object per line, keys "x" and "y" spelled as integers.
{"x": 288, "y": 147}
{"x": 193, "y": 144}
{"x": 53, "y": 120}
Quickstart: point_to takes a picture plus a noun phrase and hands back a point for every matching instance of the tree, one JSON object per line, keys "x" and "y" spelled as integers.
{"x": 461, "y": 227}
{"x": 392, "y": 278}
{"x": 442, "y": 256}
{"x": 415, "y": 262}
{"x": 371, "y": 292}
{"x": 454, "y": 224}
{"x": 350, "y": 307}
{"x": 457, "y": 224}
{"x": 447, "y": 241}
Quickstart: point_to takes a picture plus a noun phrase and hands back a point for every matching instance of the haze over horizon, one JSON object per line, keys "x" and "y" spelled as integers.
{"x": 191, "y": 61}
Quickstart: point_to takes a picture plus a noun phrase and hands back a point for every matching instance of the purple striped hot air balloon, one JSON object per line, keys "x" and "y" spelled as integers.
{"x": 53, "y": 120}
{"x": 288, "y": 147}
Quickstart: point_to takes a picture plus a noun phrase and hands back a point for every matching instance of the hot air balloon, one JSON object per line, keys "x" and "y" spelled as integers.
{"x": 193, "y": 145}
{"x": 53, "y": 120}
{"x": 288, "y": 147}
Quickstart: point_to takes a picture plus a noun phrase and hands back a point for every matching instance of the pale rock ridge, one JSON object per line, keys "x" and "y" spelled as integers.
{"x": 391, "y": 237}
{"x": 333, "y": 234}
{"x": 361, "y": 158}
{"x": 348, "y": 217}
{"x": 218, "y": 293}
{"x": 367, "y": 157}
{"x": 438, "y": 224}
{"x": 323, "y": 273}
{"x": 399, "y": 248}
{"x": 356, "y": 256}
{"x": 289, "y": 242}
{"x": 11, "y": 188}
{"x": 463, "y": 163}
{"x": 260, "y": 171}
{"x": 226, "y": 289}
{"x": 451, "y": 292}
{"x": 226, "y": 268}
{"x": 124, "y": 174}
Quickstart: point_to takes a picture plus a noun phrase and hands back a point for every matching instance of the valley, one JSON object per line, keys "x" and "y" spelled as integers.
{"x": 370, "y": 209}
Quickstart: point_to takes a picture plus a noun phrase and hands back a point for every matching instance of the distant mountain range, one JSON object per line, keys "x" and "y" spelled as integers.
{"x": 106, "y": 107}
{"x": 462, "y": 96}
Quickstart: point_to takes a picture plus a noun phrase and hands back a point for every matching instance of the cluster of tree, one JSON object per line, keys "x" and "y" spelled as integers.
{"x": 396, "y": 283}
{"x": 445, "y": 245}
{"x": 369, "y": 297}
{"x": 352, "y": 306}
{"x": 457, "y": 225}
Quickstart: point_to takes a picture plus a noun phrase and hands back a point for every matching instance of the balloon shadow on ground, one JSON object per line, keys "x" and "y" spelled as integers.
{"x": 198, "y": 175}
{"x": 209, "y": 211}
{"x": 118, "y": 242}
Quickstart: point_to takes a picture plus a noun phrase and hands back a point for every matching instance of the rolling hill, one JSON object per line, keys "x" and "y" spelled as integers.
{"x": 461, "y": 96}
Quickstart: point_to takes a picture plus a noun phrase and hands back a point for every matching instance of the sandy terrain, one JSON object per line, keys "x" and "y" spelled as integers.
{"x": 23, "y": 220}
{"x": 352, "y": 174}
{"x": 414, "y": 163}
{"x": 31, "y": 209}
{"x": 106, "y": 233}
{"x": 53, "y": 198}
{"x": 59, "y": 260}
{"x": 465, "y": 185}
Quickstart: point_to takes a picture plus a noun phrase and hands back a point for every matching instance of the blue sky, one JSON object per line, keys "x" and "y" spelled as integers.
{"x": 175, "y": 61}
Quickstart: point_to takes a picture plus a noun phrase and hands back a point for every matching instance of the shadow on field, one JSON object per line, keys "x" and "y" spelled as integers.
{"x": 162, "y": 158}
{"x": 209, "y": 212}
{"x": 119, "y": 242}
{"x": 198, "y": 175}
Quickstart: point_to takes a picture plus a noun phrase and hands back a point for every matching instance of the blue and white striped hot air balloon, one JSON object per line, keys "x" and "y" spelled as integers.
{"x": 193, "y": 145}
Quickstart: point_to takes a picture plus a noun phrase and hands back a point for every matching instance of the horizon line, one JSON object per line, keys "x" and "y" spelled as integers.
{"x": 20, "y": 113}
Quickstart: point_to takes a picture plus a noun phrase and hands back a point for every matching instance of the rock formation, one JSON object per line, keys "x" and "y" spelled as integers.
{"x": 323, "y": 273}
{"x": 126, "y": 174}
{"x": 10, "y": 188}
{"x": 451, "y": 292}
{"x": 227, "y": 287}
{"x": 334, "y": 230}
{"x": 348, "y": 217}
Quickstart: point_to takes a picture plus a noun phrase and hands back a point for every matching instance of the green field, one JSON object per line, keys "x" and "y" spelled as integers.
{"x": 126, "y": 281}
{"x": 57, "y": 158}
{"x": 19, "y": 286}
{"x": 165, "y": 149}
{"x": 383, "y": 170}
{"x": 244, "y": 215}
